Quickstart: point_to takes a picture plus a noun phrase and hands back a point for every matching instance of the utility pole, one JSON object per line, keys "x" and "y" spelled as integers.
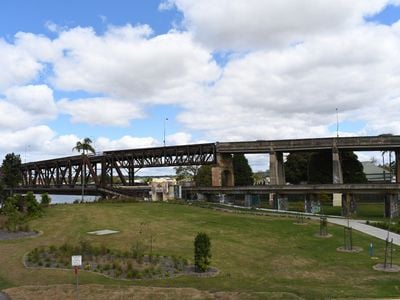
{"x": 165, "y": 120}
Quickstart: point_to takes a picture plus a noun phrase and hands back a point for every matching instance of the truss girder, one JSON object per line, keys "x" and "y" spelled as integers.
{"x": 104, "y": 170}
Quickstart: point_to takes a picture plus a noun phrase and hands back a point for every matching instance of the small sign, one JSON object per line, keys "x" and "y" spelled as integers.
{"x": 76, "y": 260}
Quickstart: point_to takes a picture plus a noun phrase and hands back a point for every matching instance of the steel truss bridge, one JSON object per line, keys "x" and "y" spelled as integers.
{"x": 113, "y": 170}
{"x": 64, "y": 175}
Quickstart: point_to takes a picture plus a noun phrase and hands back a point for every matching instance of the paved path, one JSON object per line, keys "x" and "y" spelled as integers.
{"x": 4, "y": 296}
{"x": 360, "y": 225}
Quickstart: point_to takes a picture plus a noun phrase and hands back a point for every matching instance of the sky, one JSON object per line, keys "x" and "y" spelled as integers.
{"x": 123, "y": 72}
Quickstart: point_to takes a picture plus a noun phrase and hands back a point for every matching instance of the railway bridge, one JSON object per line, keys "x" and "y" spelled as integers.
{"x": 111, "y": 170}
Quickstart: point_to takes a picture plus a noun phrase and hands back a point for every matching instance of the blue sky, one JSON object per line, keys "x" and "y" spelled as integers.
{"x": 114, "y": 71}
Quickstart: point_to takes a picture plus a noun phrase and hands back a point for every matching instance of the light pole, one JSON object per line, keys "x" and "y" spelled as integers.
{"x": 337, "y": 123}
{"x": 165, "y": 120}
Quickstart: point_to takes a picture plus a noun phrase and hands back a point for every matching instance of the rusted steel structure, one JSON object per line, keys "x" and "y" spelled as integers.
{"x": 119, "y": 167}
{"x": 104, "y": 170}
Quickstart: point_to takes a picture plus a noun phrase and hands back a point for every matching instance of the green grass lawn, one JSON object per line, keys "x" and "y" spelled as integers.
{"x": 253, "y": 253}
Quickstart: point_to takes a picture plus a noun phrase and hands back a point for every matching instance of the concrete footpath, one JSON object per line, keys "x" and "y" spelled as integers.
{"x": 360, "y": 225}
{"x": 4, "y": 296}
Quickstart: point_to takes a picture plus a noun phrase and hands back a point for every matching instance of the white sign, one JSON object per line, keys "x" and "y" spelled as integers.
{"x": 76, "y": 260}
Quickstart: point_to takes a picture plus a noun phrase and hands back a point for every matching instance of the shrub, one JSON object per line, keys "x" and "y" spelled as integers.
{"x": 202, "y": 252}
{"x": 45, "y": 200}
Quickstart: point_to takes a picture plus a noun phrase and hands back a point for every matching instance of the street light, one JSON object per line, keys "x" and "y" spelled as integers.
{"x": 166, "y": 119}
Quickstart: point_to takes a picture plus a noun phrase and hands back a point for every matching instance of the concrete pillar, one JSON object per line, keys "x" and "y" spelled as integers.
{"x": 222, "y": 173}
{"x": 349, "y": 204}
{"x": 397, "y": 165}
{"x": 276, "y": 169}
{"x": 307, "y": 202}
{"x": 281, "y": 202}
{"x": 391, "y": 205}
{"x": 337, "y": 174}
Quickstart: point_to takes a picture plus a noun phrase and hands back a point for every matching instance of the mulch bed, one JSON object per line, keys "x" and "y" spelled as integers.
{"x": 388, "y": 268}
{"x": 11, "y": 235}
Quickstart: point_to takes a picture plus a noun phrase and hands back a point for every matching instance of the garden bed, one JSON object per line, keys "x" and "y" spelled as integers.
{"x": 115, "y": 264}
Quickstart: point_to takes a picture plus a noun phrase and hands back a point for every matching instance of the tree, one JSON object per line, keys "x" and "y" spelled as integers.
{"x": 317, "y": 167}
{"x": 353, "y": 170}
{"x": 11, "y": 171}
{"x": 297, "y": 167}
{"x": 85, "y": 147}
{"x": 33, "y": 207}
{"x": 202, "y": 252}
{"x": 186, "y": 173}
{"x": 45, "y": 200}
{"x": 242, "y": 170}
{"x": 203, "y": 176}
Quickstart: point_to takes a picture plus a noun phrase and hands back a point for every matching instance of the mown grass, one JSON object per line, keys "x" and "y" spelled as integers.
{"x": 253, "y": 253}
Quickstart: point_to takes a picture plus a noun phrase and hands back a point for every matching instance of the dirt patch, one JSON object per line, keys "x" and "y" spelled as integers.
{"x": 354, "y": 249}
{"x": 11, "y": 235}
{"x": 100, "y": 292}
{"x": 389, "y": 268}
{"x": 323, "y": 236}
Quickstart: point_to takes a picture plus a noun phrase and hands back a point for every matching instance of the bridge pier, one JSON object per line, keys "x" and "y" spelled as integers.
{"x": 280, "y": 202}
{"x": 222, "y": 173}
{"x": 311, "y": 203}
{"x": 276, "y": 169}
{"x": 337, "y": 175}
{"x": 391, "y": 205}
{"x": 349, "y": 204}
{"x": 397, "y": 154}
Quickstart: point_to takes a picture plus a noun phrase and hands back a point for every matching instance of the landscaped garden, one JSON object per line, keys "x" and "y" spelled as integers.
{"x": 256, "y": 256}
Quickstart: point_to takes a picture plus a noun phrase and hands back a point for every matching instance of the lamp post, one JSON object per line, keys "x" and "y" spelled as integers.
{"x": 165, "y": 120}
{"x": 337, "y": 123}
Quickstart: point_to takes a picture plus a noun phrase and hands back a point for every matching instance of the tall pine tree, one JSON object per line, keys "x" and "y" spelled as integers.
{"x": 242, "y": 170}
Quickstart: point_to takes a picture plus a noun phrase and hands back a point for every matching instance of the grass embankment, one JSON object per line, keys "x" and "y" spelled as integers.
{"x": 255, "y": 254}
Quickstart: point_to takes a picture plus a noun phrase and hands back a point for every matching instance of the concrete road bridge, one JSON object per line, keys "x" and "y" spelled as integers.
{"x": 111, "y": 170}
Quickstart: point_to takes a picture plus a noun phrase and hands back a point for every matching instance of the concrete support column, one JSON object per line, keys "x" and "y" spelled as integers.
{"x": 349, "y": 204}
{"x": 281, "y": 202}
{"x": 307, "y": 203}
{"x": 276, "y": 169}
{"x": 222, "y": 173}
{"x": 337, "y": 175}
{"x": 391, "y": 205}
{"x": 312, "y": 203}
{"x": 397, "y": 165}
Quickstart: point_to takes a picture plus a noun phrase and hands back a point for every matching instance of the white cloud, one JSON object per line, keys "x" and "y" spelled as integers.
{"x": 35, "y": 99}
{"x": 25, "y": 140}
{"x": 294, "y": 92}
{"x": 255, "y": 24}
{"x": 25, "y": 106}
{"x": 127, "y": 63}
{"x": 126, "y": 142}
{"x": 179, "y": 138}
{"x": 17, "y": 66}
{"x": 100, "y": 111}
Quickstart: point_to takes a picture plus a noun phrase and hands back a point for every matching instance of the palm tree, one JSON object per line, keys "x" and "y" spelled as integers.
{"x": 84, "y": 147}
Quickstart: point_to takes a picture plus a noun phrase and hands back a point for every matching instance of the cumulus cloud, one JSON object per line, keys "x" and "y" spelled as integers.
{"x": 294, "y": 92}
{"x": 127, "y": 63}
{"x": 126, "y": 142}
{"x": 179, "y": 138}
{"x": 17, "y": 66}
{"x": 254, "y": 24}
{"x": 25, "y": 106}
{"x": 100, "y": 111}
